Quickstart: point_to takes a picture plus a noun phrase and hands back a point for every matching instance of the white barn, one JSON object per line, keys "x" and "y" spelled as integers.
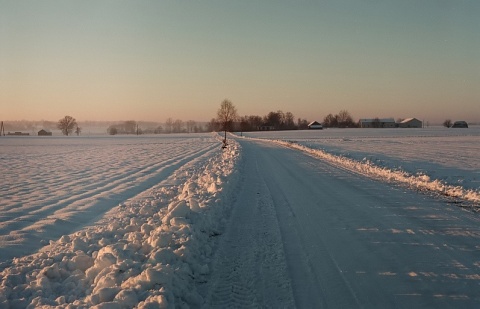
{"x": 460, "y": 124}
{"x": 377, "y": 123}
{"x": 315, "y": 125}
{"x": 410, "y": 123}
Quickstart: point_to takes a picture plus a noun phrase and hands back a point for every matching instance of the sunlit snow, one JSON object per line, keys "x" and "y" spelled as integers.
{"x": 441, "y": 160}
{"x": 158, "y": 201}
{"x": 118, "y": 222}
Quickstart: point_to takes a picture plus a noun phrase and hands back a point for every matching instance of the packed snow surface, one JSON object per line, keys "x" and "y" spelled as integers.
{"x": 175, "y": 221}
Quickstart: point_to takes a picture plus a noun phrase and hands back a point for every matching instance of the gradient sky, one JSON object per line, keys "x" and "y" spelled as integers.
{"x": 150, "y": 60}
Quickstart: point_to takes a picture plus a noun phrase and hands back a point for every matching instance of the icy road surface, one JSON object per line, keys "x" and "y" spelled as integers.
{"x": 306, "y": 234}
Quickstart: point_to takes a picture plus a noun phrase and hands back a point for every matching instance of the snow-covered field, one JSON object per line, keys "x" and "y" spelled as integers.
{"x": 113, "y": 219}
{"x": 437, "y": 159}
{"x": 118, "y": 222}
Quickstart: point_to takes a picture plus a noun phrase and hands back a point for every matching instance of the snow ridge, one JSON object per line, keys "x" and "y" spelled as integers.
{"x": 149, "y": 252}
{"x": 365, "y": 167}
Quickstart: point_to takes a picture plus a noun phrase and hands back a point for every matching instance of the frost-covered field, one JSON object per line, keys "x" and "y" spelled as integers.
{"x": 113, "y": 217}
{"x": 437, "y": 159}
{"x": 119, "y": 222}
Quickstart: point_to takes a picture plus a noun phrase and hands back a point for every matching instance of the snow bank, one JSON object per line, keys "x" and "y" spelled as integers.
{"x": 368, "y": 168}
{"x": 149, "y": 252}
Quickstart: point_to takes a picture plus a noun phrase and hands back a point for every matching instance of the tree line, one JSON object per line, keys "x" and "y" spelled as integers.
{"x": 273, "y": 120}
{"x": 226, "y": 120}
{"x": 341, "y": 120}
{"x": 170, "y": 126}
{"x": 280, "y": 120}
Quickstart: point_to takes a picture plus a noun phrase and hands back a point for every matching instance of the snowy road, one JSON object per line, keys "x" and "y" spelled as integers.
{"x": 307, "y": 234}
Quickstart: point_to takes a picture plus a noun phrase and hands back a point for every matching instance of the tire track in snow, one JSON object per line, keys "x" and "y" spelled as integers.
{"x": 115, "y": 186}
{"x": 68, "y": 214}
{"x": 54, "y": 174}
{"x": 249, "y": 270}
{"x": 353, "y": 242}
{"x": 89, "y": 188}
{"x": 299, "y": 239}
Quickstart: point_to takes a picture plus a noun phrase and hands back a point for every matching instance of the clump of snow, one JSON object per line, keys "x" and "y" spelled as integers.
{"x": 148, "y": 252}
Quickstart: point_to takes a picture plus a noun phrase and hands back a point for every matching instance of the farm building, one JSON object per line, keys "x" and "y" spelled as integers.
{"x": 315, "y": 125}
{"x": 266, "y": 127}
{"x": 410, "y": 123}
{"x": 43, "y": 132}
{"x": 377, "y": 123}
{"x": 460, "y": 124}
{"x": 18, "y": 134}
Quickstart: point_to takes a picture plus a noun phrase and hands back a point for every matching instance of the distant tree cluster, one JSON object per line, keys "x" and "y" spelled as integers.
{"x": 250, "y": 123}
{"x": 302, "y": 124}
{"x": 275, "y": 120}
{"x": 341, "y": 120}
{"x": 170, "y": 126}
{"x": 127, "y": 127}
{"x": 179, "y": 126}
{"x": 280, "y": 120}
{"x": 29, "y": 126}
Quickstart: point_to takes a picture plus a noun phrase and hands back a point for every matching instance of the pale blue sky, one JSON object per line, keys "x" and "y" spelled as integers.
{"x": 150, "y": 60}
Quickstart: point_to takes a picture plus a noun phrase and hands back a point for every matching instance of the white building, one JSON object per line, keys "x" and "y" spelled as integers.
{"x": 315, "y": 125}
{"x": 411, "y": 123}
{"x": 377, "y": 123}
{"x": 460, "y": 124}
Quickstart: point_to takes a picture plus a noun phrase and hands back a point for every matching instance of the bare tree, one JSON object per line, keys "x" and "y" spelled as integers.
{"x": 112, "y": 130}
{"x": 447, "y": 123}
{"x": 130, "y": 127}
{"x": 169, "y": 125}
{"x": 158, "y": 130}
{"x": 302, "y": 124}
{"x": 213, "y": 125}
{"x": 274, "y": 119}
{"x": 177, "y": 126}
{"x": 226, "y": 115}
{"x": 78, "y": 130}
{"x": 289, "y": 121}
{"x": 191, "y": 126}
{"x": 330, "y": 121}
{"x": 345, "y": 120}
{"x": 67, "y": 124}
